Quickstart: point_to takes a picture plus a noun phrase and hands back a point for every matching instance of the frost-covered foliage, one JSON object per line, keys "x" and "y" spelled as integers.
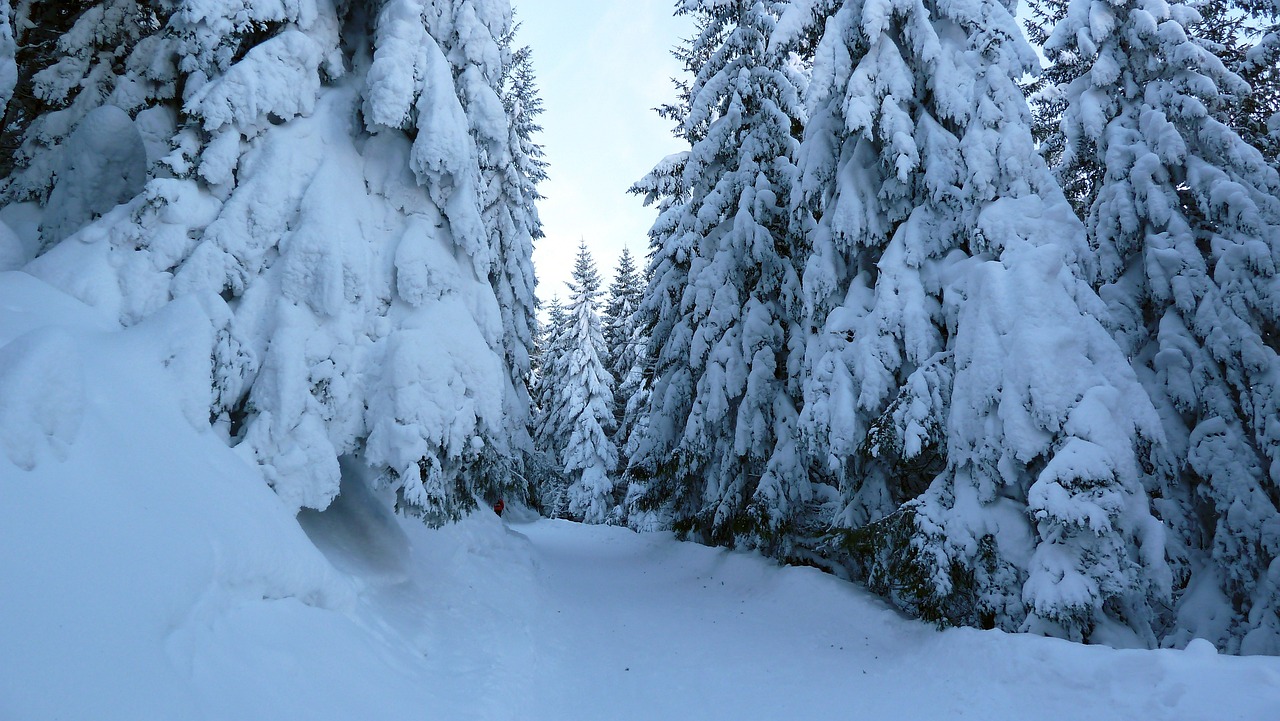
{"x": 718, "y": 454}
{"x": 1186, "y": 227}
{"x": 1243, "y": 34}
{"x": 667, "y": 274}
{"x": 990, "y": 440}
{"x": 342, "y": 188}
{"x": 633, "y": 391}
{"x": 577, "y": 423}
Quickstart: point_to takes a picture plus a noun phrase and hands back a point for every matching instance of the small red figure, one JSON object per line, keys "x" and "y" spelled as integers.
{"x": 499, "y": 507}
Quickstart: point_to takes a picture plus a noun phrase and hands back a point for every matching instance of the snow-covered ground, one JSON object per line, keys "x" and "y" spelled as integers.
{"x": 147, "y": 572}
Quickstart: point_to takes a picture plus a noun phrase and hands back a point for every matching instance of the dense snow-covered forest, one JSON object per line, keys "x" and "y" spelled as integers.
{"x": 998, "y": 340}
{"x": 1011, "y": 369}
{"x": 974, "y": 304}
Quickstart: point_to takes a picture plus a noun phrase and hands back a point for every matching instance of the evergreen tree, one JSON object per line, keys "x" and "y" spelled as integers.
{"x": 313, "y": 178}
{"x": 990, "y": 439}
{"x": 1186, "y": 223}
{"x": 718, "y": 454}
{"x": 655, "y": 319}
{"x": 665, "y": 277}
{"x": 582, "y": 417}
{"x": 621, "y": 331}
{"x": 549, "y": 411}
{"x": 625, "y": 293}
{"x": 512, "y": 172}
{"x": 633, "y": 390}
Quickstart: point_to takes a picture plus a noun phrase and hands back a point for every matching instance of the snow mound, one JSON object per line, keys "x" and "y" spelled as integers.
{"x": 152, "y": 573}
{"x": 41, "y": 397}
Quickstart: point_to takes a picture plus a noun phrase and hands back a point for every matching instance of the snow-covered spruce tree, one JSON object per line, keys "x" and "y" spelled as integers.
{"x": 656, "y": 316}
{"x": 633, "y": 390}
{"x": 625, "y": 293}
{"x": 583, "y": 418}
{"x": 629, "y": 361}
{"x": 548, "y": 407}
{"x": 512, "y": 172}
{"x": 313, "y": 182}
{"x": 666, "y": 276}
{"x": 990, "y": 438}
{"x": 621, "y": 328}
{"x": 718, "y": 454}
{"x": 548, "y": 353}
{"x": 1186, "y": 224}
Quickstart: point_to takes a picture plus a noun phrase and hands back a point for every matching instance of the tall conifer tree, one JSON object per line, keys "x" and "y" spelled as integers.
{"x": 580, "y": 423}
{"x": 989, "y": 436}
{"x": 622, "y": 336}
{"x": 718, "y": 452}
{"x": 1186, "y": 224}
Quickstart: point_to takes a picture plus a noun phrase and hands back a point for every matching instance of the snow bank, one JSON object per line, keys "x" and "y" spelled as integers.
{"x": 151, "y": 573}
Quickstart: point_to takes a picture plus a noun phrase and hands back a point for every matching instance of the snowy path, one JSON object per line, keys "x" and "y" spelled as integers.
{"x": 629, "y": 626}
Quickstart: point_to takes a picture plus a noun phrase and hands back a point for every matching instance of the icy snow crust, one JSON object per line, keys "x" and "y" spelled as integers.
{"x": 150, "y": 573}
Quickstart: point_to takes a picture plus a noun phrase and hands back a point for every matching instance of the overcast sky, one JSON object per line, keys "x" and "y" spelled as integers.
{"x": 602, "y": 66}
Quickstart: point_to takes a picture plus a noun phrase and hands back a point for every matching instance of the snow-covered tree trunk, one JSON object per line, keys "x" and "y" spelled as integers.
{"x": 1186, "y": 223}
{"x": 990, "y": 439}
{"x": 312, "y": 173}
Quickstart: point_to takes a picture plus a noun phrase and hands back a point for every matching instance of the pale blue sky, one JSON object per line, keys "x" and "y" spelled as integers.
{"x": 602, "y": 66}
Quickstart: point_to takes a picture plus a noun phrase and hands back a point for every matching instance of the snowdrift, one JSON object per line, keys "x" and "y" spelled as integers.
{"x": 151, "y": 573}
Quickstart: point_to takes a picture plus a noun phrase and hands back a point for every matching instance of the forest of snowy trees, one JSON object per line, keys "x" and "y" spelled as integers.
{"x": 1000, "y": 342}
{"x": 974, "y": 303}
